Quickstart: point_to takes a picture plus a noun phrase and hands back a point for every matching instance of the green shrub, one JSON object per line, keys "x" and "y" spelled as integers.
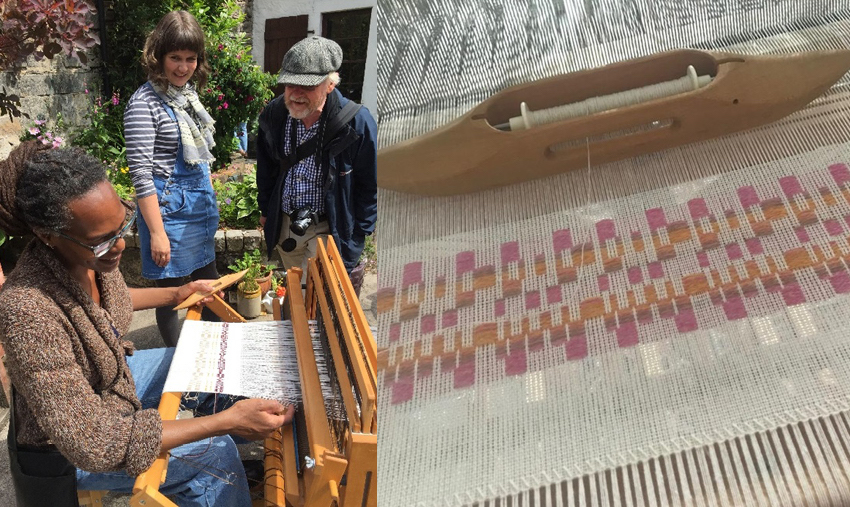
{"x": 103, "y": 138}
{"x": 237, "y": 202}
{"x": 237, "y": 89}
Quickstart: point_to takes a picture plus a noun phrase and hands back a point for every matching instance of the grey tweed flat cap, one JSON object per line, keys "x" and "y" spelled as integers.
{"x": 309, "y": 61}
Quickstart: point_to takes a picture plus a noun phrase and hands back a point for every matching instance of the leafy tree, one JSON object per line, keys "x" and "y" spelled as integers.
{"x": 43, "y": 29}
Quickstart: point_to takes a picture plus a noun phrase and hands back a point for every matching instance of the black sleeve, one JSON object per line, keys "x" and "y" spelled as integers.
{"x": 267, "y": 165}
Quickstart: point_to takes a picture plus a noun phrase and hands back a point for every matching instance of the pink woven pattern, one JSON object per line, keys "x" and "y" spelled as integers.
{"x": 714, "y": 259}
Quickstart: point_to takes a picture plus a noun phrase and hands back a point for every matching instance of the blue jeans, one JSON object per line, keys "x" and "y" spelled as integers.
{"x": 242, "y": 134}
{"x": 205, "y": 473}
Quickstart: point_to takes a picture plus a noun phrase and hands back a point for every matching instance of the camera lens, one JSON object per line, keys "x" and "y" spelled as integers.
{"x": 299, "y": 227}
{"x": 301, "y": 221}
{"x": 288, "y": 245}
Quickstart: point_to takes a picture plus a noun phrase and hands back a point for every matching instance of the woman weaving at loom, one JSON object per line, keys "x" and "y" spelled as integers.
{"x": 80, "y": 389}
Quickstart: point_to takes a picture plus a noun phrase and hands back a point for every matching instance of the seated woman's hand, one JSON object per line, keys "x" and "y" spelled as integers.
{"x": 203, "y": 286}
{"x": 256, "y": 419}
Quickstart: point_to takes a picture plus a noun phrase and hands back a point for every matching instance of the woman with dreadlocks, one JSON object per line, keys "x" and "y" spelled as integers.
{"x": 81, "y": 393}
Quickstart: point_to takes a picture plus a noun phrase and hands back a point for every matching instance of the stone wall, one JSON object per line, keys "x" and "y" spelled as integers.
{"x": 47, "y": 88}
{"x": 247, "y": 26}
{"x": 229, "y": 246}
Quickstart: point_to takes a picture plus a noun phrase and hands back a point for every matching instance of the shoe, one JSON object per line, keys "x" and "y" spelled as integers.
{"x": 255, "y": 471}
{"x": 243, "y": 153}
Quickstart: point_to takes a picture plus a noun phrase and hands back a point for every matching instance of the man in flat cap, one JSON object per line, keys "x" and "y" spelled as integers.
{"x": 316, "y": 160}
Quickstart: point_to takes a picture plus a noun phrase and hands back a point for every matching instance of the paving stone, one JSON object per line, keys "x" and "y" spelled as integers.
{"x": 235, "y": 242}
{"x": 220, "y": 242}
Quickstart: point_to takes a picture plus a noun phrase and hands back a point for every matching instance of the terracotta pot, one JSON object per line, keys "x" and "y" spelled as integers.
{"x": 265, "y": 283}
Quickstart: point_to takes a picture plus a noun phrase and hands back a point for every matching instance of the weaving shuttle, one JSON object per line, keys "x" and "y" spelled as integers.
{"x": 736, "y": 92}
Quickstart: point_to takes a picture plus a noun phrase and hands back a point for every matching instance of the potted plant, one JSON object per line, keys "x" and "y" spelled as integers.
{"x": 264, "y": 277}
{"x": 248, "y": 293}
{"x": 278, "y": 291}
{"x": 263, "y": 271}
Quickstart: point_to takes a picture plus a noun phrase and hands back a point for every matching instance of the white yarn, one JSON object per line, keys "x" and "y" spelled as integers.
{"x": 529, "y": 119}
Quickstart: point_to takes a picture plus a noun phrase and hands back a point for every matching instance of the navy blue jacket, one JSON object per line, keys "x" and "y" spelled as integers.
{"x": 349, "y": 167}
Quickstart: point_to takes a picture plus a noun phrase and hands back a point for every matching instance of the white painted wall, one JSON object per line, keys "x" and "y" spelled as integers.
{"x": 271, "y": 9}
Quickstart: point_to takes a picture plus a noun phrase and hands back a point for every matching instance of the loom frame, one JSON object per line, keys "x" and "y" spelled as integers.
{"x": 323, "y": 484}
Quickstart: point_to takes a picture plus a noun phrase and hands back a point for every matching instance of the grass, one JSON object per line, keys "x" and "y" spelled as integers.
{"x": 370, "y": 253}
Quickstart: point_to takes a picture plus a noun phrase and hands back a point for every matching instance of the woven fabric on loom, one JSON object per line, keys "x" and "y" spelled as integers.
{"x": 670, "y": 329}
{"x": 252, "y": 359}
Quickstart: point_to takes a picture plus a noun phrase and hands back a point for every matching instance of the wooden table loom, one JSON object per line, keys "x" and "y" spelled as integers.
{"x": 332, "y": 462}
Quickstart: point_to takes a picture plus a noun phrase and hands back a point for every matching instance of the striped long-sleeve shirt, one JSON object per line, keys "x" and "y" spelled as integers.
{"x": 151, "y": 139}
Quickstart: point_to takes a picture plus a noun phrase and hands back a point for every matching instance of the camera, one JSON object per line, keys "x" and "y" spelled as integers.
{"x": 301, "y": 220}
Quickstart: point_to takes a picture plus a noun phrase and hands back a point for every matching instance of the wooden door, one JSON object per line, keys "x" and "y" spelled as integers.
{"x": 281, "y": 34}
{"x": 350, "y": 29}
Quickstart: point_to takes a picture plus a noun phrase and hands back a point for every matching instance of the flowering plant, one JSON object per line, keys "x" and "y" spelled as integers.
{"x": 120, "y": 179}
{"x": 237, "y": 89}
{"x": 278, "y": 285}
{"x": 41, "y": 131}
{"x": 103, "y": 139}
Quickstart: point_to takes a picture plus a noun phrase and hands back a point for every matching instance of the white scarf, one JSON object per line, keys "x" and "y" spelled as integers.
{"x": 196, "y": 125}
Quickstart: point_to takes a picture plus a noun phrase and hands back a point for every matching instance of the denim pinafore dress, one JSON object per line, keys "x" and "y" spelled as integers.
{"x": 189, "y": 212}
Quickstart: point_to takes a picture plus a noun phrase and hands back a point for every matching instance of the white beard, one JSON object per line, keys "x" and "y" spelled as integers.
{"x": 301, "y": 114}
{"x": 305, "y": 109}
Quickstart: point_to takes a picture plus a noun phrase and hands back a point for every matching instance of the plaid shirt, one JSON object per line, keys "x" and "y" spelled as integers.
{"x": 303, "y": 185}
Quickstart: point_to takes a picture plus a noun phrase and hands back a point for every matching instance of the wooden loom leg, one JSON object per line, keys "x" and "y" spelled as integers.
{"x": 324, "y": 490}
{"x": 150, "y": 496}
{"x": 282, "y": 485}
{"x": 93, "y": 498}
{"x": 361, "y": 484}
{"x": 281, "y": 475}
{"x": 146, "y": 489}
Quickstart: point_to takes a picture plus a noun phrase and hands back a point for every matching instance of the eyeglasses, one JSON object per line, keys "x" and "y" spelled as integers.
{"x": 101, "y": 249}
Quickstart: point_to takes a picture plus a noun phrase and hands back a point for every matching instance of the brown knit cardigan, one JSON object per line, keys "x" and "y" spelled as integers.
{"x": 66, "y": 361}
